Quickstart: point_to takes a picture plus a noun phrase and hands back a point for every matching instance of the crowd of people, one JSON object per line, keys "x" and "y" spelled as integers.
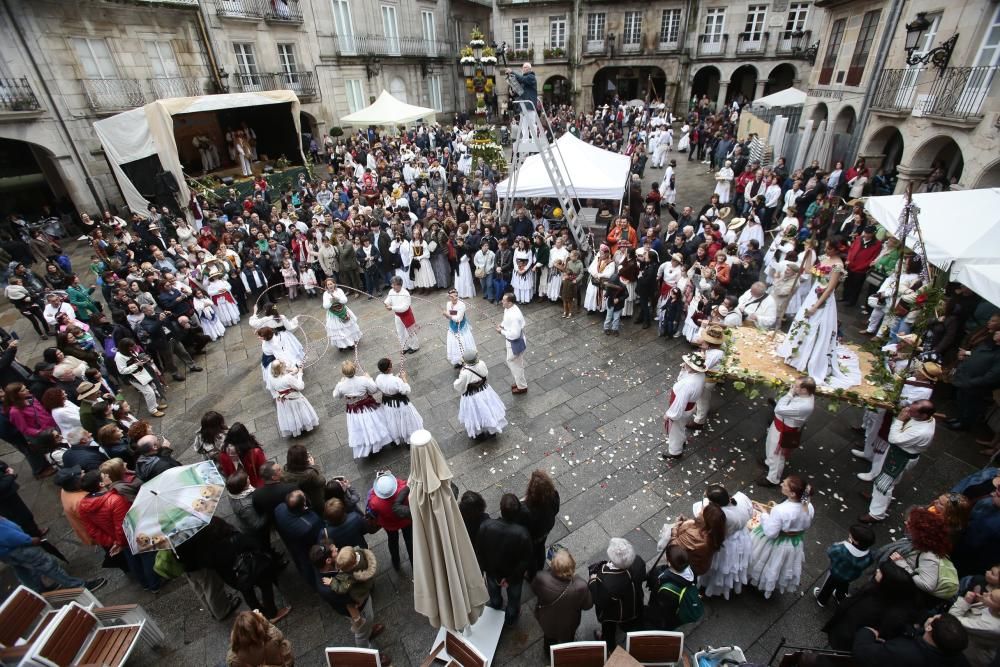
{"x": 398, "y": 218}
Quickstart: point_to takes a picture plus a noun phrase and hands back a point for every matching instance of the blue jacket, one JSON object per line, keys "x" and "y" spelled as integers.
{"x": 529, "y": 84}
{"x": 11, "y": 537}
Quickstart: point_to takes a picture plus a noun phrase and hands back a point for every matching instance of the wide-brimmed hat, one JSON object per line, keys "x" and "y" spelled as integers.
{"x": 86, "y": 389}
{"x": 695, "y": 362}
{"x": 910, "y": 339}
{"x": 855, "y": 202}
{"x": 931, "y": 370}
{"x": 713, "y": 334}
{"x": 736, "y": 223}
{"x": 385, "y": 485}
{"x": 724, "y": 212}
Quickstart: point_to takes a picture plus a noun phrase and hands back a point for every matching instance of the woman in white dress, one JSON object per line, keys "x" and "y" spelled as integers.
{"x": 811, "y": 345}
{"x": 295, "y": 413}
{"x": 341, "y": 323}
{"x": 601, "y": 269}
{"x": 285, "y": 341}
{"x": 207, "y": 315}
{"x": 806, "y": 260}
{"x": 777, "y": 554}
{"x": 366, "y": 430}
{"x": 423, "y": 271}
{"x": 225, "y": 305}
{"x": 401, "y": 417}
{"x": 480, "y": 410}
{"x": 685, "y": 141}
{"x": 724, "y": 182}
{"x": 464, "y": 283}
{"x": 402, "y": 246}
{"x": 523, "y": 278}
{"x": 752, "y": 231}
{"x": 459, "y": 330}
{"x": 730, "y": 565}
{"x": 558, "y": 256}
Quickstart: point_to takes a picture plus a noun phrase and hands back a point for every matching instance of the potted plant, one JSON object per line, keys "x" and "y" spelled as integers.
{"x": 468, "y": 61}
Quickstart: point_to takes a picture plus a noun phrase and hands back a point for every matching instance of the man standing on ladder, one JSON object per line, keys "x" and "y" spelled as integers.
{"x": 529, "y": 93}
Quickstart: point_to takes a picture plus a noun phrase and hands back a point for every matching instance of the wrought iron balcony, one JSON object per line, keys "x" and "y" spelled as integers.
{"x": 382, "y": 45}
{"x": 113, "y": 94}
{"x": 958, "y": 93}
{"x": 786, "y": 41}
{"x": 275, "y": 11}
{"x": 302, "y": 84}
{"x": 895, "y": 90}
{"x": 595, "y": 47}
{"x": 752, "y": 43}
{"x": 176, "y": 86}
{"x": 17, "y": 95}
{"x": 712, "y": 45}
{"x": 668, "y": 43}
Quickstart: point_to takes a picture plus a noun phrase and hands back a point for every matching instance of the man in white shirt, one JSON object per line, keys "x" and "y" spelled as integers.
{"x": 54, "y": 305}
{"x": 790, "y": 415}
{"x": 512, "y": 328}
{"x": 683, "y": 397}
{"x": 910, "y": 436}
{"x": 712, "y": 337}
{"x": 398, "y": 301}
{"x": 758, "y": 307}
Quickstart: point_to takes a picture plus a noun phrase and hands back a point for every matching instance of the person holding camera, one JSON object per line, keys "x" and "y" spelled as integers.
{"x": 137, "y": 369}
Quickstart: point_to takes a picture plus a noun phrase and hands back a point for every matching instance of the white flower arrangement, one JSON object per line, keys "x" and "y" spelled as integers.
{"x": 468, "y": 59}
{"x": 477, "y": 43}
{"x": 489, "y": 60}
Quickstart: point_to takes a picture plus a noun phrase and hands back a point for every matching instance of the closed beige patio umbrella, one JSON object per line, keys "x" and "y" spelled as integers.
{"x": 448, "y": 586}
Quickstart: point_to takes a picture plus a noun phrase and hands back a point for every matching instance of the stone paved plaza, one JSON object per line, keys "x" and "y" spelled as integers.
{"x": 592, "y": 419}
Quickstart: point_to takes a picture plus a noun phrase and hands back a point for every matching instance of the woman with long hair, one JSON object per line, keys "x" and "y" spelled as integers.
{"x": 27, "y": 415}
{"x": 731, "y": 563}
{"x": 241, "y": 450}
{"x": 777, "y": 552}
{"x": 255, "y": 641}
{"x": 539, "y": 509}
{"x": 210, "y": 438}
{"x": 701, "y": 537}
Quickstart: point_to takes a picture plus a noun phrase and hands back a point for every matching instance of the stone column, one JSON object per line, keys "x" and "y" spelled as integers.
{"x": 585, "y": 100}
{"x": 761, "y": 83}
{"x": 908, "y": 175}
{"x": 720, "y": 100}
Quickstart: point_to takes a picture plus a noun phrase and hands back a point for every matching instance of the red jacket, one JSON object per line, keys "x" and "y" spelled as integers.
{"x": 382, "y": 509}
{"x": 102, "y": 516}
{"x": 743, "y": 180}
{"x": 860, "y": 258}
{"x": 251, "y": 462}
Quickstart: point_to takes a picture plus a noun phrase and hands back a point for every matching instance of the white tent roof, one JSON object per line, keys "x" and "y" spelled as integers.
{"x": 789, "y": 97}
{"x": 387, "y": 110}
{"x": 972, "y": 250}
{"x": 594, "y": 172}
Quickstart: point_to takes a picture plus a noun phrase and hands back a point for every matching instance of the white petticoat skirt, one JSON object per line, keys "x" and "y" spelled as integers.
{"x": 463, "y": 281}
{"x": 730, "y": 566}
{"x": 343, "y": 334}
{"x": 366, "y": 432}
{"x": 290, "y": 342}
{"x": 775, "y": 564}
{"x": 401, "y": 421}
{"x": 423, "y": 277}
{"x": 590, "y": 299}
{"x": 213, "y": 328}
{"x": 524, "y": 286}
{"x": 229, "y": 313}
{"x": 554, "y": 291}
{"x": 455, "y": 349}
{"x": 295, "y": 416}
{"x": 482, "y": 412}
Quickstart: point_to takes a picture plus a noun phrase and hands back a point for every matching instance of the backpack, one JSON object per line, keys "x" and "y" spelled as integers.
{"x": 947, "y": 584}
{"x": 689, "y": 604}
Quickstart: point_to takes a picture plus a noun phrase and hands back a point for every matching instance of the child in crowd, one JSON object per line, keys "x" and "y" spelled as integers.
{"x": 848, "y": 560}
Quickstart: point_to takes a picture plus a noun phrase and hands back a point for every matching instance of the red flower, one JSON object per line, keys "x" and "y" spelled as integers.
{"x": 921, "y": 299}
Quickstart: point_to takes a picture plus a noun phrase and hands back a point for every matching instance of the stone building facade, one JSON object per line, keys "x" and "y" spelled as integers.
{"x": 669, "y": 50}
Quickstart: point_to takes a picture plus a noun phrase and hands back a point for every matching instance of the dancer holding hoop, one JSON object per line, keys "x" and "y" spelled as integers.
{"x": 366, "y": 430}
{"x": 480, "y": 409}
{"x": 401, "y": 417}
{"x": 459, "y": 332}
{"x": 341, "y": 323}
{"x": 284, "y": 340}
{"x": 398, "y": 301}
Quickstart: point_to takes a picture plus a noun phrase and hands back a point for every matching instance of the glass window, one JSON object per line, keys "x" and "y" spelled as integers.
{"x": 95, "y": 58}
{"x": 595, "y": 27}
{"x": 832, "y": 51}
{"x": 866, "y": 36}
{"x": 755, "y": 23}
{"x": 521, "y": 34}
{"x": 162, "y": 59}
{"x": 670, "y": 25}
{"x": 390, "y": 29}
{"x": 435, "y": 89}
{"x": 797, "y": 13}
{"x": 345, "y": 26}
{"x": 557, "y": 32}
{"x": 633, "y": 28}
{"x": 355, "y": 95}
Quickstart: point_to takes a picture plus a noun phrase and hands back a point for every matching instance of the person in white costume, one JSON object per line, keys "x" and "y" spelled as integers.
{"x": 877, "y": 423}
{"x": 750, "y": 230}
{"x": 423, "y": 271}
{"x": 724, "y": 182}
{"x": 400, "y": 415}
{"x": 685, "y": 141}
{"x": 730, "y": 564}
{"x": 601, "y": 270}
{"x": 523, "y": 278}
{"x": 910, "y": 436}
{"x": 366, "y": 430}
{"x": 459, "y": 330}
{"x": 398, "y": 301}
{"x": 558, "y": 256}
{"x": 668, "y": 186}
{"x": 512, "y": 328}
{"x": 290, "y": 347}
{"x": 207, "y": 315}
{"x": 341, "y": 323}
{"x": 225, "y": 305}
{"x": 711, "y": 339}
{"x": 402, "y": 246}
{"x": 758, "y": 307}
{"x": 683, "y": 396}
{"x": 480, "y": 409}
{"x": 295, "y": 413}
{"x": 777, "y": 553}
{"x": 784, "y": 435}
{"x": 464, "y": 283}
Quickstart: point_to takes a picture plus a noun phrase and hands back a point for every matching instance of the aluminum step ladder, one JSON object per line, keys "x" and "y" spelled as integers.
{"x": 530, "y": 138}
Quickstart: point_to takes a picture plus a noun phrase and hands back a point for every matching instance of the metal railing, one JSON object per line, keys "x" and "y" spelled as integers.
{"x": 786, "y": 42}
{"x": 668, "y": 45}
{"x": 712, "y": 45}
{"x": 112, "y": 94}
{"x": 895, "y": 90}
{"x": 279, "y": 11}
{"x": 176, "y": 86}
{"x": 302, "y": 84}
{"x": 595, "y": 46}
{"x": 381, "y": 45}
{"x": 17, "y": 95}
{"x": 959, "y": 92}
{"x": 750, "y": 43}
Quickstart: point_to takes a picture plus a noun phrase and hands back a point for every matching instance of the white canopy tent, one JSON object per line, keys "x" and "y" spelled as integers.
{"x": 593, "y": 172}
{"x": 387, "y": 110}
{"x": 961, "y": 233}
{"x": 146, "y": 131}
{"x": 789, "y": 97}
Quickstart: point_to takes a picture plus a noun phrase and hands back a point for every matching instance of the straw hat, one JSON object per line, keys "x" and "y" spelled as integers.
{"x": 725, "y": 212}
{"x": 713, "y": 334}
{"x": 931, "y": 370}
{"x": 86, "y": 390}
{"x": 855, "y": 202}
{"x": 736, "y": 223}
{"x": 677, "y": 256}
{"x": 695, "y": 362}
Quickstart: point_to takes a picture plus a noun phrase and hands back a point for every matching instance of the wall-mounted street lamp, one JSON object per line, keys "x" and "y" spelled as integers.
{"x": 938, "y": 56}
{"x": 800, "y": 50}
{"x": 373, "y": 68}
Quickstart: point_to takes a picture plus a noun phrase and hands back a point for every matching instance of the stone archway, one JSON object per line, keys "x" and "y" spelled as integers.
{"x": 845, "y": 121}
{"x": 629, "y": 83}
{"x": 990, "y": 177}
{"x": 940, "y": 152}
{"x": 557, "y": 90}
{"x": 31, "y": 179}
{"x": 887, "y": 142}
{"x": 706, "y": 81}
{"x": 820, "y": 113}
{"x": 781, "y": 77}
{"x": 743, "y": 83}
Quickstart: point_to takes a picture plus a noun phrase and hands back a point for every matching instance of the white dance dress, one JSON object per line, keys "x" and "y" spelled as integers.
{"x": 554, "y": 288}
{"x": 287, "y": 342}
{"x": 423, "y": 274}
{"x": 459, "y": 332}
{"x": 731, "y": 564}
{"x": 811, "y": 345}
{"x": 523, "y": 283}
{"x": 366, "y": 430}
{"x": 406, "y": 258}
{"x": 225, "y": 305}
{"x": 341, "y": 324}
{"x": 295, "y": 413}
{"x": 209, "y": 318}
{"x": 401, "y": 417}
{"x": 685, "y": 141}
{"x": 777, "y": 554}
{"x": 599, "y": 270}
{"x": 480, "y": 409}
{"x": 464, "y": 283}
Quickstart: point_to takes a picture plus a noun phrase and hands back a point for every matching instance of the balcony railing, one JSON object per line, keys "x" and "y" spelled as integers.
{"x": 712, "y": 45}
{"x": 277, "y": 11}
{"x": 381, "y": 45}
{"x": 302, "y": 84}
{"x": 669, "y": 42}
{"x": 113, "y": 94}
{"x": 895, "y": 90}
{"x": 634, "y": 45}
{"x": 17, "y": 95}
{"x": 595, "y": 47}
{"x": 752, "y": 42}
{"x": 176, "y": 86}
{"x": 958, "y": 93}
{"x": 786, "y": 41}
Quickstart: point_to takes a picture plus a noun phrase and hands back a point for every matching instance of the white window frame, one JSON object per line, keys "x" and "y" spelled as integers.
{"x": 288, "y": 63}
{"x": 390, "y": 28}
{"x": 344, "y": 24}
{"x": 715, "y": 27}
{"x": 428, "y": 30}
{"x": 988, "y": 55}
{"x": 670, "y": 26}
{"x": 597, "y": 30}
{"x": 557, "y": 32}
{"x": 521, "y": 37}
{"x": 161, "y": 56}
{"x": 798, "y": 12}
{"x": 355, "y": 95}
{"x": 84, "y": 48}
{"x": 434, "y": 89}
{"x": 756, "y": 20}
{"x": 246, "y": 64}
{"x": 632, "y": 31}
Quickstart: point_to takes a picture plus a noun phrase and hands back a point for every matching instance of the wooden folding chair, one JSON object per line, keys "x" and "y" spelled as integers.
{"x": 791, "y": 656}
{"x": 75, "y": 637}
{"x": 64, "y": 596}
{"x": 578, "y": 654}
{"x": 131, "y": 614}
{"x": 655, "y": 648}
{"x": 352, "y": 657}
{"x": 23, "y": 611}
{"x": 461, "y": 652}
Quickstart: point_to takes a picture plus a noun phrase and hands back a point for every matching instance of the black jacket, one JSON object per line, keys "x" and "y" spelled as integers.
{"x": 269, "y": 496}
{"x": 87, "y": 457}
{"x": 539, "y": 520}
{"x": 504, "y": 549}
{"x": 617, "y": 593}
{"x": 661, "y": 612}
{"x": 150, "y": 465}
{"x": 529, "y": 86}
{"x": 910, "y": 651}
